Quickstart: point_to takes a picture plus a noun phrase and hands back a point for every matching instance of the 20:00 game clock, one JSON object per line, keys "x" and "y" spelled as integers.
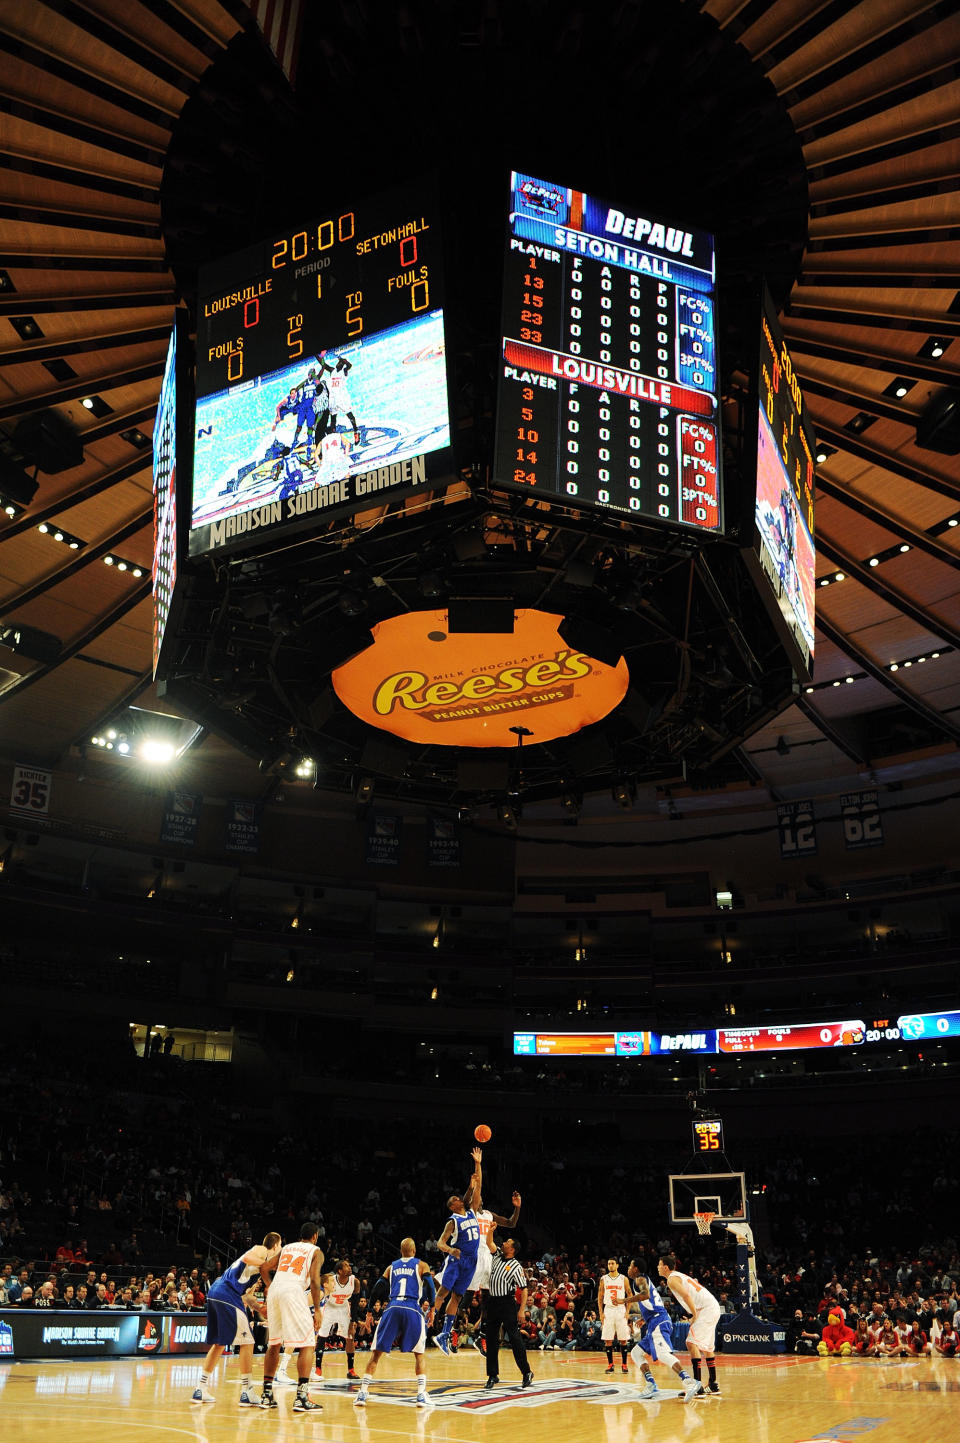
{"x": 607, "y": 392}
{"x": 321, "y": 371}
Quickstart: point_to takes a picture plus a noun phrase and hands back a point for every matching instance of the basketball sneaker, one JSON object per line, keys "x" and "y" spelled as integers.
{"x": 650, "y": 1391}
{"x": 360, "y": 1401}
{"x": 692, "y": 1389}
{"x": 713, "y": 1389}
{"x": 248, "y": 1400}
{"x": 352, "y": 1373}
{"x": 267, "y": 1400}
{"x": 609, "y": 1369}
{"x": 202, "y": 1395}
{"x": 443, "y": 1344}
{"x": 624, "y": 1368}
{"x": 303, "y": 1404}
{"x": 424, "y": 1400}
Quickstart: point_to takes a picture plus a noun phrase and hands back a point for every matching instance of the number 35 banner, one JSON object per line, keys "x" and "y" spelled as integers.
{"x": 30, "y": 793}
{"x": 862, "y": 822}
{"x": 798, "y": 830}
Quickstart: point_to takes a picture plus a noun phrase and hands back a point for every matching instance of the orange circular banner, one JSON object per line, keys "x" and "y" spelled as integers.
{"x": 467, "y": 689}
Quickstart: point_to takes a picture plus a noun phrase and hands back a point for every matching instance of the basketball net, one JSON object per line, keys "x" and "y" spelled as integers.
{"x": 703, "y": 1221}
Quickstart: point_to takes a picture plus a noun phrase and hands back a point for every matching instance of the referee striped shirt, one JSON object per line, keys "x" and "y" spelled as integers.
{"x": 506, "y": 1275}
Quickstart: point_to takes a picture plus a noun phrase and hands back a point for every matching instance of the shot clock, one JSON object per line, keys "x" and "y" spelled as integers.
{"x": 321, "y": 371}
{"x": 707, "y": 1135}
{"x": 608, "y": 389}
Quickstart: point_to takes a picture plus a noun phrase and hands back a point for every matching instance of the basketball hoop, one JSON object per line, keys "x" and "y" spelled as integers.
{"x": 703, "y": 1221}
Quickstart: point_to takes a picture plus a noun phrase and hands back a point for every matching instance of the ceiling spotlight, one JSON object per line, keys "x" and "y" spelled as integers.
{"x": 809, "y": 690}
{"x": 953, "y": 521}
{"x": 904, "y": 547}
{"x": 87, "y": 403}
{"x": 848, "y": 679}
{"x": 58, "y": 536}
{"x": 108, "y": 561}
{"x": 121, "y": 566}
{"x": 137, "y": 571}
{"x": 156, "y": 751}
{"x": 123, "y": 748}
{"x": 839, "y": 576}
{"x": 43, "y": 527}
{"x": 933, "y": 347}
{"x": 825, "y": 581}
{"x": 74, "y": 545}
{"x": 874, "y": 561}
{"x": 894, "y": 666}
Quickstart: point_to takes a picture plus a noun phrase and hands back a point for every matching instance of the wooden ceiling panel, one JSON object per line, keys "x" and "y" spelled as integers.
{"x": 52, "y": 241}
{"x": 926, "y": 581}
{"x": 850, "y": 606}
{"x": 139, "y": 19}
{"x": 912, "y": 58}
{"x": 929, "y": 165}
{"x": 52, "y": 94}
{"x": 850, "y": 699}
{"x": 908, "y": 305}
{"x": 25, "y": 137}
{"x": 75, "y": 201}
{"x": 44, "y": 27}
{"x": 856, "y": 28}
{"x": 886, "y": 641}
{"x": 852, "y": 531}
{"x": 96, "y": 330}
{"x": 918, "y": 117}
{"x": 40, "y": 723}
{"x": 930, "y": 213}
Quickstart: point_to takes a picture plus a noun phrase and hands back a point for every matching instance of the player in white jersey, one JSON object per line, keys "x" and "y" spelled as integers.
{"x": 337, "y": 370}
{"x": 338, "y": 1289}
{"x": 297, "y": 1273}
{"x": 705, "y": 1312}
{"x": 487, "y": 1222}
{"x": 613, "y": 1294}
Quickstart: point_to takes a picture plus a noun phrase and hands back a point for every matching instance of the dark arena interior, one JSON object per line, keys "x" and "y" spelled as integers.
{"x": 499, "y": 666}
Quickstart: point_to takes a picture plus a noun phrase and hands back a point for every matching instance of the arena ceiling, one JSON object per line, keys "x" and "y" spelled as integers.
{"x": 93, "y": 96}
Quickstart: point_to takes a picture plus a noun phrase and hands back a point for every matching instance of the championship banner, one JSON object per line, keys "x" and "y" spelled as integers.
{"x": 30, "y": 792}
{"x": 798, "y": 830}
{"x": 181, "y": 818}
{"x": 443, "y": 843}
{"x": 383, "y": 840}
{"x": 243, "y": 827}
{"x": 862, "y": 822}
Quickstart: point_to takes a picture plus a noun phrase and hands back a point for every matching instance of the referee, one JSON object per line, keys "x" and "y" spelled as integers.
{"x": 501, "y": 1310}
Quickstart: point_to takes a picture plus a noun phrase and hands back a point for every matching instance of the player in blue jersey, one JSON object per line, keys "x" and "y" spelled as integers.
{"x": 657, "y": 1340}
{"x": 403, "y": 1323}
{"x": 227, "y": 1325}
{"x": 460, "y": 1240}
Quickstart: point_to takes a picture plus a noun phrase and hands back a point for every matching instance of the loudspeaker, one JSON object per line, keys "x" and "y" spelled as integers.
{"x": 938, "y": 429}
{"x": 480, "y": 613}
{"x": 593, "y": 640}
{"x": 50, "y": 442}
{"x": 384, "y": 757}
{"x": 484, "y": 774}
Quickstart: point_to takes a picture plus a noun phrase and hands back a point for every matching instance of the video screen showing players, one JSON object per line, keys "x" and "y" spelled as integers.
{"x": 785, "y": 537}
{"x": 165, "y": 501}
{"x": 374, "y": 402}
{"x": 608, "y": 390}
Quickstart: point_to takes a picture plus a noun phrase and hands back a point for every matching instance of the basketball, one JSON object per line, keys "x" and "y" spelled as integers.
{"x": 482, "y": 1133}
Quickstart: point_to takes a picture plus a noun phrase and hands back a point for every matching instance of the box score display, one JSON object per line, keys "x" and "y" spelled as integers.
{"x": 608, "y": 388}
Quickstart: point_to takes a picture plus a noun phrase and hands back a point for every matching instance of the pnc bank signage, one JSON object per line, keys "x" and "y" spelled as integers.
{"x": 429, "y": 686}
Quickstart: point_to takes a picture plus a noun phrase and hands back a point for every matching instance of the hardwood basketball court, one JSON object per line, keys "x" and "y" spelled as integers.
{"x": 765, "y": 1400}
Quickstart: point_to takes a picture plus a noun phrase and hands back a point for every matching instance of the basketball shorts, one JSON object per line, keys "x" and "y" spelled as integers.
{"x": 401, "y": 1326}
{"x": 289, "y": 1319}
{"x": 657, "y": 1343}
{"x": 703, "y": 1329}
{"x": 615, "y": 1324}
{"x": 481, "y": 1278}
{"x": 334, "y": 1317}
{"x": 340, "y": 402}
{"x": 227, "y": 1325}
{"x": 458, "y": 1274}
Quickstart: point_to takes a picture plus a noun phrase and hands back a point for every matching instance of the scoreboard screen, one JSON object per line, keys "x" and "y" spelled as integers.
{"x": 784, "y": 551}
{"x": 173, "y": 413}
{"x": 608, "y": 388}
{"x": 916, "y": 1027}
{"x": 321, "y": 373}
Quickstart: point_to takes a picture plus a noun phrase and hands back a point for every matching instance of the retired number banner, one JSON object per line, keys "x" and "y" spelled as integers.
{"x": 862, "y": 822}
{"x": 798, "y": 829}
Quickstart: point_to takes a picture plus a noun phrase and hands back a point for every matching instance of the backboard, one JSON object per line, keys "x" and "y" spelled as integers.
{"x": 722, "y": 1193}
